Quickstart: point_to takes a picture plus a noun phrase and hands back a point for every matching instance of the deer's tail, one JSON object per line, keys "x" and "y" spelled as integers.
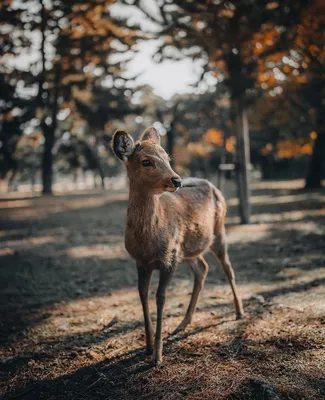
{"x": 220, "y": 209}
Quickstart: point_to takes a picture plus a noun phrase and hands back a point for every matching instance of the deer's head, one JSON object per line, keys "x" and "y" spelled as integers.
{"x": 147, "y": 163}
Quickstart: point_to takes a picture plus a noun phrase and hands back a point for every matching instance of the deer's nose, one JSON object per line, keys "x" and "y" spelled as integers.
{"x": 177, "y": 182}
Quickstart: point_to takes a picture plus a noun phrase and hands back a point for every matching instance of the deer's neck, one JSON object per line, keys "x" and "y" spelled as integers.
{"x": 144, "y": 212}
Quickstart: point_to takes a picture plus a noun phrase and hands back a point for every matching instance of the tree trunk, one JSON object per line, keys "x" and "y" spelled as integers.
{"x": 47, "y": 161}
{"x": 222, "y": 174}
{"x": 317, "y": 162}
{"x": 47, "y": 158}
{"x": 170, "y": 143}
{"x": 9, "y": 161}
{"x": 101, "y": 174}
{"x": 39, "y": 97}
{"x": 49, "y": 136}
{"x": 243, "y": 161}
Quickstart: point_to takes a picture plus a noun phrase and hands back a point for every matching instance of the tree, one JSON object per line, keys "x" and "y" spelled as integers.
{"x": 191, "y": 115}
{"x": 222, "y": 34}
{"x": 79, "y": 45}
{"x": 15, "y": 107}
{"x": 297, "y": 73}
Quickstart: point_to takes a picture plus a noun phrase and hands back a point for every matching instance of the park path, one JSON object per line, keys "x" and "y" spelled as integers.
{"x": 71, "y": 322}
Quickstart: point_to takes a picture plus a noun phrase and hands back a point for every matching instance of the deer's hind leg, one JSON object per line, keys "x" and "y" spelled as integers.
{"x": 200, "y": 269}
{"x": 220, "y": 250}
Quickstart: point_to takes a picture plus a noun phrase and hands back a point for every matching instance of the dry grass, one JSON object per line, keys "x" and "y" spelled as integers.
{"x": 71, "y": 322}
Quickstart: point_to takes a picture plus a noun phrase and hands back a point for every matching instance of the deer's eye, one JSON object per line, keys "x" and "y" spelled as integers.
{"x": 147, "y": 163}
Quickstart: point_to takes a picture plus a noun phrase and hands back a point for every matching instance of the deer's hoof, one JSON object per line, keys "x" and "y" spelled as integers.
{"x": 177, "y": 330}
{"x": 157, "y": 359}
{"x": 181, "y": 327}
{"x": 157, "y": 363}
{"x": 239, "y": 315}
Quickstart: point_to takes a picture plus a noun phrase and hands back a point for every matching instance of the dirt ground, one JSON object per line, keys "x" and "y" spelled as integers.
{"x": 71, "y": 321}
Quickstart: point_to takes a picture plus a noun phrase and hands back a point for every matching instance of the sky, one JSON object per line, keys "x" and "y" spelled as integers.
{"x": 166, "y": 78}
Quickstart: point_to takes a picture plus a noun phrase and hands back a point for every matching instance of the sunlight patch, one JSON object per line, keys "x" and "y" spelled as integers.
{"x": 102, "y": 251}
{"x": 17, "y": 204}
{"x": 6, "y": 252}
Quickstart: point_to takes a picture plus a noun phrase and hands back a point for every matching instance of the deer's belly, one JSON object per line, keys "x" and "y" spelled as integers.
{"x": 198, "y": 238}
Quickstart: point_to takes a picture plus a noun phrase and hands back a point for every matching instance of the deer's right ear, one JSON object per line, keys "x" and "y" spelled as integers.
{"x": 122, "y": 145}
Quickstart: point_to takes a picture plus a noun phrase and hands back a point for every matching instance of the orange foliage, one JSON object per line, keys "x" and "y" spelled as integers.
{"x": 184, "y": 153}
{"x": 73, "y": 78}
{"x": 231, "y": 144}
{"x": 96, "y": 22}
{"x": 289, "y": 148}
{"x": 272, "y": 6}
{"x": 227, "y": 13}
{"x": 265, "y": 38}
{"x": 199, "y": 149}
{"x": 216, "y": 137}
{"x": 213, "y": 136}
{"x": 308, "y": 44}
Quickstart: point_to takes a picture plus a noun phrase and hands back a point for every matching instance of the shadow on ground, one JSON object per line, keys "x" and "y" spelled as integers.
{"x": 71, "y": 325}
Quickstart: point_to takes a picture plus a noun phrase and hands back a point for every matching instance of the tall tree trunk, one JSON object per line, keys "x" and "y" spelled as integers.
{"x": 243, "y": 163}
{"x": 101, "y": 174}
{"x": 49, "y": 136}
{"x": 221, "y": 174}
{"x": 10, "y": 163}
{"x": 47, "y": 160}
{"x": 170, "y": 142}
{"x": 317, "y": 163}
{"x": 39, "y": 97}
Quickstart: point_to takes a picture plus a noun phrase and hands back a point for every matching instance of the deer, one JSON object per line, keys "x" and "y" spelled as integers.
{"x": 169, "y": 220}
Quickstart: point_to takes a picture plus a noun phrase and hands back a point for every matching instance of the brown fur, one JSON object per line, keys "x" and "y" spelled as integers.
{"x": 165, "y": 226}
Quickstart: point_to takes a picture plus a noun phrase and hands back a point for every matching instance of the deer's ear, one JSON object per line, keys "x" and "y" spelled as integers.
{"x": 151, "y": 134}
{"x": 122, "y": 145}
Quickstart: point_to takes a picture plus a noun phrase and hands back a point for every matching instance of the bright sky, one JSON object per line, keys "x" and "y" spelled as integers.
{"x": 166, "y": 78}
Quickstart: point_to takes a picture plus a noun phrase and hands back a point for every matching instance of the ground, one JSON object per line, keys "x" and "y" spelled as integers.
{"x": 71, "y": 321}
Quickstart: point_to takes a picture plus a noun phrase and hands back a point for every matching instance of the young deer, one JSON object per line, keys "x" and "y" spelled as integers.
{"x": 168, "y": 221}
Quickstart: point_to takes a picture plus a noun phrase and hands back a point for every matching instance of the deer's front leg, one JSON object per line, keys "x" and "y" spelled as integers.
{"x": 166, "y": 272}
{"x": 144, "y": 277}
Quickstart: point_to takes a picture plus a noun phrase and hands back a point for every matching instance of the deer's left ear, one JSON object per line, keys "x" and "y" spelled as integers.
{"x": 151, "y": 134}
{"x": 122, "y": 145}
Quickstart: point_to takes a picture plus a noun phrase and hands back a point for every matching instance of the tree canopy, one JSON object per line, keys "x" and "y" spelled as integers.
{"x": 64, "y": 81}
{"x": 80, "y": 53}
